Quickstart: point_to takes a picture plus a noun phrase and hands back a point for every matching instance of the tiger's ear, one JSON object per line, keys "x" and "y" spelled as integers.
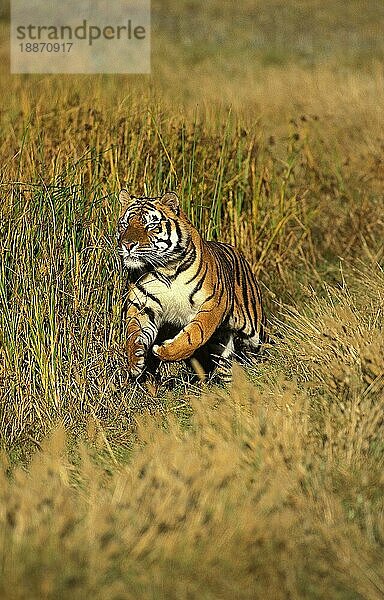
{"x": 125, "y": 198}
{"x": 170, "y": 199}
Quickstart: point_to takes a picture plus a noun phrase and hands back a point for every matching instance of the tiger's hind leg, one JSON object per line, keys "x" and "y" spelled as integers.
{"x": 215, "y": 357}
{"x": 248, "y": 350}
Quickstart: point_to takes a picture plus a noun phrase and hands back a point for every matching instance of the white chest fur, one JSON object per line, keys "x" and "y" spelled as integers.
{"x": 174, "y": 298}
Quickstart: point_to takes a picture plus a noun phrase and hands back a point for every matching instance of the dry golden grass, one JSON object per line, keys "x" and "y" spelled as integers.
{"x": 254, "y": 499}
{"x": 274, "y": 488}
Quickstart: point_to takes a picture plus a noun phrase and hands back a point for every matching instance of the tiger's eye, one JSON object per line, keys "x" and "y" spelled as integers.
{"x": 155, "y": 227}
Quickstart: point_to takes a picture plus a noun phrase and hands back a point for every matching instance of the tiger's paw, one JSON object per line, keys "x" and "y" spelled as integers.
{"x": 169, "y": 351}
{"x": 161, "y": 351}
{"x": 135, "y": 371}
{"x": 136, "y": 359}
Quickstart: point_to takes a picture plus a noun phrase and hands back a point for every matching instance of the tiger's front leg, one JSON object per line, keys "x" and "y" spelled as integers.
{"x": 141, "y": 333}
{"x": 192, "y": 336}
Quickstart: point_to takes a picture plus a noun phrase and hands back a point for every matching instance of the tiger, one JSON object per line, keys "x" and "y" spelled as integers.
{"x": 186, "y": 298}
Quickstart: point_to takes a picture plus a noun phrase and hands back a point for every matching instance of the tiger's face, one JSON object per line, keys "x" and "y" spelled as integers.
{"x": 150, "y": 231}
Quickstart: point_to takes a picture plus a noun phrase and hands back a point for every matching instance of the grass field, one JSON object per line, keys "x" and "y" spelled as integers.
{"x": 272, "y": 488}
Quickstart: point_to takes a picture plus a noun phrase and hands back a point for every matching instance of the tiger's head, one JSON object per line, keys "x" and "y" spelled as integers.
{"x": 151, "y": 231}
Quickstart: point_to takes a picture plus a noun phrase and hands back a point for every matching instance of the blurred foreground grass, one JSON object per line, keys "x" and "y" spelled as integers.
{"x": 271, "y": 489}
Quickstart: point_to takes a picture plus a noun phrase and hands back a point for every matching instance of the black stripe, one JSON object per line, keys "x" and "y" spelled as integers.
{"x": 208, "y": 298}
{"x": 224, "y": 254}
{"x": 225, "y": 276}
{"x": 168, "y": 227}
{"x": 135, "y": 304}
{"x": 250, "y": 285}
{"x": 136, "y": 273}
{"x": 237, "y": 271}
{"x": 255, "y": 296}
{"x": 245, "y": 311}
{"x": 162, "y": 278}
{"x": 198, "y": 270}
{"x": 148, "y": 294}
{"x": 187, "y": 262}
{"x": 199, "y": 285}
{"x": 178, "y": 230}
{"x": 150, "y": 312}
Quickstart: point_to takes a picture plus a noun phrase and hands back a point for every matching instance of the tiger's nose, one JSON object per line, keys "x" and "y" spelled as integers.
{"x": 129, "y": 245}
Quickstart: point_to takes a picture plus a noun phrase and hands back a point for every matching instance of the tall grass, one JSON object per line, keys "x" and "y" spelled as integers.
{"x": 272, "y": 488}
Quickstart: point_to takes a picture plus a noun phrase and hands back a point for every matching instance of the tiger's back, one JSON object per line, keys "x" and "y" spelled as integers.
{"x": 247, "y": 317}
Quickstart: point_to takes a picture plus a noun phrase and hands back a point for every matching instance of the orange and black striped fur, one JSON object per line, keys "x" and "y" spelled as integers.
{"x": 186, "y": 297}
